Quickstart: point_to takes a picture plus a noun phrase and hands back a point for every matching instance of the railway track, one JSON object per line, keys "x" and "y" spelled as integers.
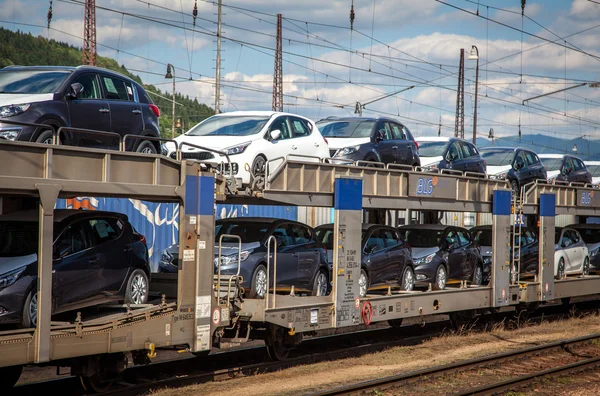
{"x": 181, "y": 372}
{"x": 548, "y": 354}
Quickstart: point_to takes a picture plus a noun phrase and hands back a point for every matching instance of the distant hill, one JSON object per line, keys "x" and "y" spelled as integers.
{"x": 587, "y": 149}
{"x": 24, "y": 49}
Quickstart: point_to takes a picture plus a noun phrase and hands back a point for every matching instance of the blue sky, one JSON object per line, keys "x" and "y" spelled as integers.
{"x": 394, "y": 44}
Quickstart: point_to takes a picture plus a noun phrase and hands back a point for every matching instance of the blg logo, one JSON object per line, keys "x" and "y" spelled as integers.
{"x": 586, "y": 197}
{"x": 425, "y": 185}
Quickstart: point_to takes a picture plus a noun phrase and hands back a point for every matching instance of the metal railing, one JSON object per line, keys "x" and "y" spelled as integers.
{"x": 57, "y": 141}
{"x": 123, "y": 145}
{"x": 219, "y": 262}
{"x": 269, "y": 240}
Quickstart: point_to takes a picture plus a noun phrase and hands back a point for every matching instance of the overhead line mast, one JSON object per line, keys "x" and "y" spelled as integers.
{"x": 278, "y": 73}
{"x": 89, "y": 34}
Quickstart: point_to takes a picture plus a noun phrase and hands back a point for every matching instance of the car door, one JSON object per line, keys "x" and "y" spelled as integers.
{"x": 305, "y": 246}
{"x": 583, "y": 174}
{"x": 454, "y": 157}
{"x": 471, "y": 258}
{"x": 536, "y": 167}
{"x": 75, "y": 265}
{"x": 456, "y": 255}
{"x": 395, "y": 255}
{"x": 287, "y": 257}
{"x": 568, "y": 171}
{"x": 529, "y": 256}
{"x": 402, "y": 150}
{"x": 125, "y": 109}
{"x": 566, "y": 244}
{"x": 307, "y": 143}
{"x": 522, "y": 169}
{"x": 376, "y": 260}
{"x": 577, "y": 262}
{"x": 88, "y": 111}
{"x": 114, "y": 255}
{"x": 386, "y": 144}
{"x": 286, "y": 144}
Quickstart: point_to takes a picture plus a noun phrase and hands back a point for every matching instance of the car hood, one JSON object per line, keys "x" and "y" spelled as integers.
{"x": 422, "y": 252}
{"x": 15, "y": 99}
{"x": 230, "y": 248}
{"x": 593, "y": 246}
{"x": 552, "y": 174}
{"x": 494, "y": 170}
{"x": 338, "y": 143}
{"x": 426, "y": 161}
{"x": 211, "y": 142}
{"x": 8, "y": 264}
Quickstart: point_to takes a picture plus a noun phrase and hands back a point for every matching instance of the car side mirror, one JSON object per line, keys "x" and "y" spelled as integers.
{"x": 75, "y": 90}
{"x": 379, "y": 135}
{"x": 63, "y": 250}
{"x": 275, "y": 134}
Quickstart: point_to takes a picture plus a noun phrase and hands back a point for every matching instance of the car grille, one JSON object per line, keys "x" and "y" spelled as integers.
{"x": 332, "y": 152}
{"x": 199, "y": 155}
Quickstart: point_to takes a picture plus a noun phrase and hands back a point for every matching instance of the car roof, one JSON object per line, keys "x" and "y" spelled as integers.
{"x": 344, "y": 118}
{"x": 493, "y": 148}
{"x": 364, "y": 226}
{"x": 584, "y": 226}
{"x": 71, "y": 69}
{"x": 428, "y": 226}
{"x": 266, "y": 220}
{"x": 265, "y": 113}
{"x": 433, "y": 138}
{"x": 32, "y": 215}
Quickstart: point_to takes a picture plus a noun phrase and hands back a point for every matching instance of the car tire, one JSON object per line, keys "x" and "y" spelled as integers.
{"x": 560, "y": 271}
{"x": 258, "y": 287}
{"x": 138, "y": 288}
{"x": 363, "y": 283}
{"x": 407, "y": 283}
{"x": 29, "y": 318}
{"x": 146, "y": 147}
{"x": 44, "y": 137}
{"x": 321, "y": 284}
{"x": 441, "y": 277}
{"x": 477, "y": 279}
{"x": 514, "y": 185}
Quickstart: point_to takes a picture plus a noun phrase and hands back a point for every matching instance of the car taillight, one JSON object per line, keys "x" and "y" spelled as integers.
{"x": 417, "y": 144}
{"x": 326, "y": 142}
{"x": 155, "y": 109}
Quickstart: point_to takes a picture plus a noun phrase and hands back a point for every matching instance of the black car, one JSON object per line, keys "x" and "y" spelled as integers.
{"x": 369, "y": 139}
{"x": 168, "y": 260}
{"x": 83, "y": 97}
{"x": 437, "y": 153}
{"x": 529, "y": 248}
{"x": 386, "y": 258}
{"x": 98, "y": 257}
{"x": 566, "y": 168}
{"x": 301, "y": 259}
{"x": 590, "y": 233}
{"x": 442, "y": 253}
{"x": 518, "y": 166}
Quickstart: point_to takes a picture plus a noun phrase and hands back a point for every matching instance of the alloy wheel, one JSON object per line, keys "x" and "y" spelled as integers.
{"x": 409, "y": 279}
{"x": 138, "y": 289}
{"x": 478, "y": 276}
{"x": 362, "y": 284}
{"x": 32, "y": 310}
{"x": 321, "y": 284}
{"x": 586, "y": 266}
{"x": 441, "y": 278}
{"x": 260, "y": 283}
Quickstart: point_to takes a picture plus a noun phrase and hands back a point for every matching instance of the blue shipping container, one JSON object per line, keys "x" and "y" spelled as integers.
{"x": 159, "y": 222}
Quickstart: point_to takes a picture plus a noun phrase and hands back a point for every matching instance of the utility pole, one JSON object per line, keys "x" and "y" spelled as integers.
{"x": 278, "y": 73}
{"x": 459, "y": 126}
{"x": 89, "y": 34}
{"x": 218, "y": 72}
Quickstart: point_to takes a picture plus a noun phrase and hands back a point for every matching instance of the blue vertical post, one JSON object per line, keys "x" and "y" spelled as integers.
{"x": 546, "y": 269}
{"x": 501, "y": 252}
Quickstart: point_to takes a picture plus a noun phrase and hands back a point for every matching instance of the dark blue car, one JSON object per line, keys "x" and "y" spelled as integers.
{"x": 438, "y": 153}
{"x": 518, "y": 166}
{"x": 98, "y": 257}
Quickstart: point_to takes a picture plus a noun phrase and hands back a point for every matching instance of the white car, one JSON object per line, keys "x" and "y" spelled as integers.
{"x": 571, "y": 254}
{"x": 594, "y": 167}
{"x": 251, "y": 139}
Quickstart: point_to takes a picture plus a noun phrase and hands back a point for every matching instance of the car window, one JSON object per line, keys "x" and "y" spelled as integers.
{"x": 463, "y": 238}
{"x": 283, "y": 236}
{"x": 574, "y": 235}
{"x": 529, "y": 237}
{"x": 74, "y": 238}
{"x": 281, "y": 124}
{"x": 117, "y": 89}
{"x": 104, "y": 230}
{"x": 577, "y": 164}
{"x": 397, "y": 131}
{"x": 521, "y": 159}
{"x": 326, "y": 237}
{"x": 452, "y": 240}
{"x": 531, "y": 158}
{"x": 375, "y": 242}
{"x": 565, "y": 240}
{"x": 454, "y": 152}
{"x": 301, "y": 234}
{"x": 567, "y": 166}
{"x": 383, "y": 129}
{"x": 391, "y": 238}
{"x": 91, "y": 87}
{"x": 299, "y": 127}
{"x": 407, "y": 133}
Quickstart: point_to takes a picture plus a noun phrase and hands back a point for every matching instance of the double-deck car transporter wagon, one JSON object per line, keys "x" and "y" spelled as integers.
{"x": 209, "y": 310}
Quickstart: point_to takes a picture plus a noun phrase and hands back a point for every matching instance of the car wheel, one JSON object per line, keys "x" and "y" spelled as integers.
{"x": 560, "y": 271}
{"x": 363, "y": 283}
{"x": 29, "y": 319}
{"x": 321, "y": 284}
{"x": 259, "y": 166}
{"x": 44, "y": 137}
{"x": 258, "y": 288}
{"x": 146, "y": 147}
{"x": 441, "y": 277}
{"x": 408, "y": 279}
{"x": 514, "y": 186}
{"x": 514, "y": 276}
{"x": 137, "y": 288}
{"x": 477, "y": 276}
{"x": 586, "y": 266}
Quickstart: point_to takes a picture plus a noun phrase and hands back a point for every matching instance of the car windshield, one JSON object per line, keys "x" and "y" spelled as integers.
{"x": 421, "y": 237}
{"x": 18, "y": 238}
{"x": 594, "y": 170}
{"x": 31, "y": 81}
{"x": 346, "y": 129}
{"x": 497, "y": 158}
{"x": 248, "y": 231}
{"x": 483, "y": 237}
{"x": 229, "y": 126}
{"x": 590, "y": 235}
{"x": 431, "y": 149}
{"x": 551, "y": 164}
{"x": 325, "y": 236}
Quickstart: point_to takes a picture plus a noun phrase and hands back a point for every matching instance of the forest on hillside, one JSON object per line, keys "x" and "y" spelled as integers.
{"x": 25, "y": 49}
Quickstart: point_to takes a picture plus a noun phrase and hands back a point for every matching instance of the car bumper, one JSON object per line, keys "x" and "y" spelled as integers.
{"x": 167, "y": 267}
{"x": 595, "y": 262}
{"x": 12, "y": 300}
{"x": 425, "y": 273}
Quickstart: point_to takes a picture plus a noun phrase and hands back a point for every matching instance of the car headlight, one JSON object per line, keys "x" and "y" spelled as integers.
{"x": 594, "y": 252}
{"x": 501, "y": 175}
{"x": 11, "y": 277}
{"x": 9, "y": 135}
{"x": 166, "y": 256}
{"x": 347, "y": 151}
{"x": 13, "y": 110}
{"x": 425, "y": 260}
{"x": 238, "y": 149}
{"x": 232, "y": 258}
{"x": 487, "y": 260}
